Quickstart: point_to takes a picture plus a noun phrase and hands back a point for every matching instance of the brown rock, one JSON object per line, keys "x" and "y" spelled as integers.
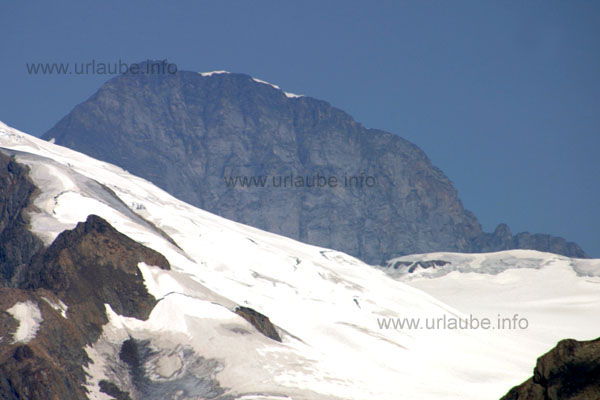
{"x": 570, "y": 371}
{"x": 259, "y": 321}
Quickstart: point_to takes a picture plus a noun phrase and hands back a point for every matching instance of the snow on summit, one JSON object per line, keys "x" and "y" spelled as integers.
{"x": 329, "y": 309}
{"x": 288, "y": 94}
{"x": 211, "y": 73}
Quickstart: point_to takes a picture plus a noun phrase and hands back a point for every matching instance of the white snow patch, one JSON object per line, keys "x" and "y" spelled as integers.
{"x": 266, "y": 83}
{"x": 29, "y": 317}
{"x": 293, "y": 95}
{"x": 211, "y": 73}
{"x": 60, "y": 306}
{"x": 96, "y": 371}
{"x": 288, "y": 94}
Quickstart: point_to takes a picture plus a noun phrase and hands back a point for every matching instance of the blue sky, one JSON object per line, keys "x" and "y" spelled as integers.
{"x": 503, "y": 96}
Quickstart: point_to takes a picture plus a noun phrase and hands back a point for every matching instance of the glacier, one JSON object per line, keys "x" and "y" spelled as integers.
{"x": 324, "y": 304}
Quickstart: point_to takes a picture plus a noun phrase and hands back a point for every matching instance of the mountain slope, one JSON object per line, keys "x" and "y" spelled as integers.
{"x": 191, "y": 133}
{"x": 59, "y": 308}
{"x": 326, "y": 307}
{"x": 553, "y": 296}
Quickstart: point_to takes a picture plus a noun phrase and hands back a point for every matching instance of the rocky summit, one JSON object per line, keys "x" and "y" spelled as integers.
{"x": 293, "y": 165}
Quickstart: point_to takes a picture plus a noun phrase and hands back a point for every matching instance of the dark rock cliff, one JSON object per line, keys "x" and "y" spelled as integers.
{"x": 570, "y": 371}
{"x": 259, "y": 321}
{"x": 190, "y": 134}
{"x": 83, "y": 268}
{"x": 17, "y": 243}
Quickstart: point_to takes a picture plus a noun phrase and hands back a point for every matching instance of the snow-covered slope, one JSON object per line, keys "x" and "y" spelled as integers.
{"x": 328, "y": 307}
{"x": 555, "y": 296}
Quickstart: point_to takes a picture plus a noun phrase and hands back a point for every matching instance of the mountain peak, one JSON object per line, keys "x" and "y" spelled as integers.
{"x": 242, "y": 148}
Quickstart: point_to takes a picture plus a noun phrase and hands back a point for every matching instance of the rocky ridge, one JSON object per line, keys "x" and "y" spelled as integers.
{"x": 243, "y": 149}
{"x": 570, "y": 371}
{"x": 66, "y": 285}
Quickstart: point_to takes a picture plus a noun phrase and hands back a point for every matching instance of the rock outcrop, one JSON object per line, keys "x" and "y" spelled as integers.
{"x": 570, "y": 371}
{"x": 503, "y": 239}
{"x": 247, "y": 151}
{"x": 82, "y": 270}
{"x": 259, "y": 321}
{"x": 67, "y": 284}
{"x": 95, "y": 264}
{"x": 17, "y": 243}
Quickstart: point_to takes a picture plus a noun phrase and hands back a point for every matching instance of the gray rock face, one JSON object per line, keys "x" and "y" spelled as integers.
{"x": 198, "y": 137}
{"x": 502, "y": 239}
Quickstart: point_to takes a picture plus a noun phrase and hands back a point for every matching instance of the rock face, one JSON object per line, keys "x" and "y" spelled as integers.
{"x": 67, "y": 284}
{"x": 259, "y": 321}
{"x": 17, "y": 243}
{"x": 502, "y": 239}
{"x": 246, "y": 151}
{"x": 569, "y": 371}
{"x": 94, "y": 263}
{"x": 83, "y": 269}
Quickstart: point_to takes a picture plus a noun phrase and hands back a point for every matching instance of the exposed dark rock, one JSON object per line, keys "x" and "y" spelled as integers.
{"x": 427, "y": 264}
{"x": 413, "y": 265}
{"x": 259, "y": 321}
{"x": 189, "y": 133}
{"x": 85, "y": 268}
{"x": 51, "y": 365}
{"x": 113, "y": 390}
{"x": 399, "y": 264}
{"x": 130, "y": 353}
{"x": 22, "y": 353}
{"x": 95, "y": 264}
{"x": 570, "y": 371}
{"x": 35, "y": 378}
{"x": 17, "y": 243}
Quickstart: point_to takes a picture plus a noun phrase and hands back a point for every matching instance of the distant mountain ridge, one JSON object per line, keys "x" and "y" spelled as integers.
{"x": 193, "y": 133}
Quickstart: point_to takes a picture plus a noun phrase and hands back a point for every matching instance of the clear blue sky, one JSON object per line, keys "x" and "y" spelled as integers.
{"x": 503, "y": 96}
